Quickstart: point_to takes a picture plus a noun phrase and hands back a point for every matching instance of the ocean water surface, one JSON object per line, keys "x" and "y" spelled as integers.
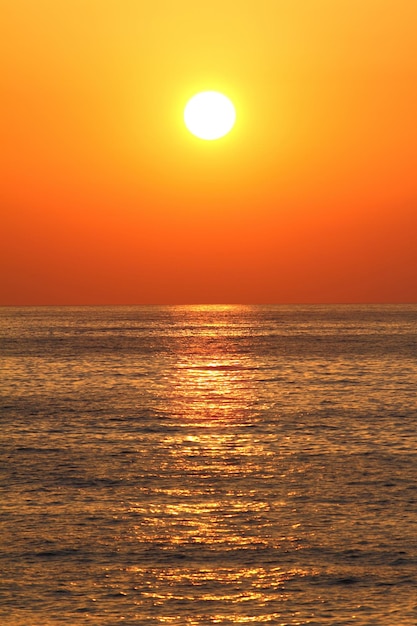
{"x": 209, "y": 465}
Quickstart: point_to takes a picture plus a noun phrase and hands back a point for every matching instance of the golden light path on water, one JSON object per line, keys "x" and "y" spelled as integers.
{"x": 213, "y": 393}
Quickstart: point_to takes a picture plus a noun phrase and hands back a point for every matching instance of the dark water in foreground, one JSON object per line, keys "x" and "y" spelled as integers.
{"x": 209, "y": 465}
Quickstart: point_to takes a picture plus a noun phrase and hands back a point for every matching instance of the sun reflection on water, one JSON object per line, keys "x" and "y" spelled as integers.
{"x": 210, "y": 503}
{"x": 208, "y": 391}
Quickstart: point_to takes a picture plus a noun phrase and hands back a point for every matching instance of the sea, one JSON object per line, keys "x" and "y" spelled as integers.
{"x": 198, "y": 465}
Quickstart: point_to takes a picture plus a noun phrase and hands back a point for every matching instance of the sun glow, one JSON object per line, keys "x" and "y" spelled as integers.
{"x": 209, "y": 115}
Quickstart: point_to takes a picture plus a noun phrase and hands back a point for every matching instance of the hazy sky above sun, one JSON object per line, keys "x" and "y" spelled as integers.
{"x": 106, "y": 198}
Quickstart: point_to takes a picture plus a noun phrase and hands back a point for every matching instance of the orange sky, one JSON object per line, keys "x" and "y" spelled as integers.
{"x": 106, "y": 198}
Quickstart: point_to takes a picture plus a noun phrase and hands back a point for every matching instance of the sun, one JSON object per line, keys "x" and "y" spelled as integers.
{"x": 209, "y": 115}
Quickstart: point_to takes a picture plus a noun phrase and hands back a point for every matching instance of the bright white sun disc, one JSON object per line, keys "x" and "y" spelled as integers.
{"x": 209, "y": 115}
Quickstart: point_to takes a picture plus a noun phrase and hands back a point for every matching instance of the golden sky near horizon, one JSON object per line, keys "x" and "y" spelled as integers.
{"x": 106, "y": 198}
